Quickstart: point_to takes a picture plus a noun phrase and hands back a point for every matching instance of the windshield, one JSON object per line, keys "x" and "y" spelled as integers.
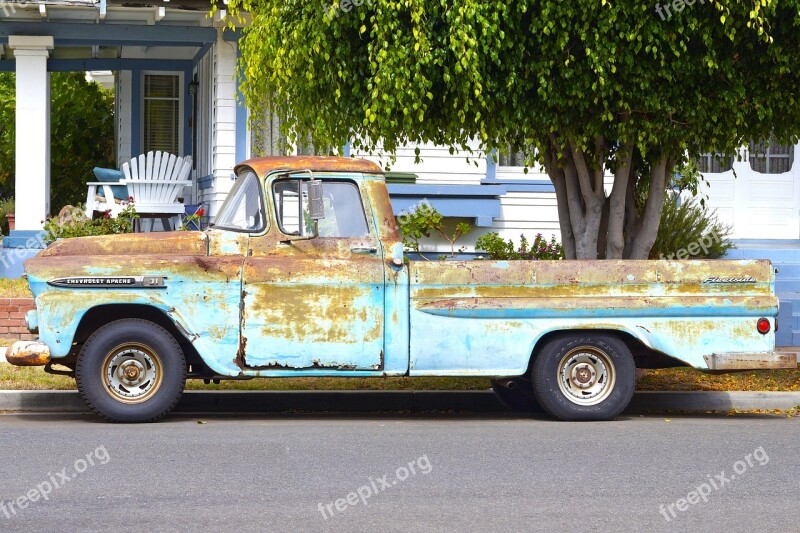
{"x": 243, "y": 209}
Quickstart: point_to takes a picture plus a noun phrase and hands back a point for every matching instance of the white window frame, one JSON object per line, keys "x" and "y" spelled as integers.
{"x": 508, "y": 172}
{"x": 181, "y": 104}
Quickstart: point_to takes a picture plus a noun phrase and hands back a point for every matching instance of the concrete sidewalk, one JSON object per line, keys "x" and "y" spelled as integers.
{"x": 402, "y": 401}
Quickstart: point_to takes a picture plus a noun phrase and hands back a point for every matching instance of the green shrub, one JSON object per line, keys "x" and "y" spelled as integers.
{"x": 72, "y": 222}
{"x": 499, "y": 248}
{"x": 689, "y": 231}
{"x": 423, "y": 220}
{"x": 6, "y": 208}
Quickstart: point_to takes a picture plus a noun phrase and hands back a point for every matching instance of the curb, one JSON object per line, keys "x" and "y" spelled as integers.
{"x": 407, "y": 401}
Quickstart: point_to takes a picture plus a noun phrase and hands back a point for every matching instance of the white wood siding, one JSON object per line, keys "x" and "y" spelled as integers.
{"x": 223, "y": 123}
{"x": 438, "y": 166}
{"x": 124, "y": 105}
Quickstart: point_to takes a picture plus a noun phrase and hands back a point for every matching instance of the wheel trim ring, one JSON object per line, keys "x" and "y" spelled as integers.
{"x": 605, "y": 375}
{"x": 128, "y": 347}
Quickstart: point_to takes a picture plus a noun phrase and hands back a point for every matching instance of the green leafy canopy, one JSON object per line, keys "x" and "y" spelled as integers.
{"x": 508, "y": 73}
{"x": 584, "y": 87}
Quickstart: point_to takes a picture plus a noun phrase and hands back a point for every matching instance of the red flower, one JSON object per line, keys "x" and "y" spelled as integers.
{"x": 107, "y": 213}
{"x": 201, "y": 212}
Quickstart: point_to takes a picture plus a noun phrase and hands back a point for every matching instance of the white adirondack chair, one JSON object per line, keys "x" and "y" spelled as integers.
{"x": 154, "y": 181}
{"x": 104, "y": 201}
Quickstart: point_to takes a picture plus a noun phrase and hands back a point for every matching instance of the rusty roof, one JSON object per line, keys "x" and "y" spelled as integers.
{"x": 265, "y": 165}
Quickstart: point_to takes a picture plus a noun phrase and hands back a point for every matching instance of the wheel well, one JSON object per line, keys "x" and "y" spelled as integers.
{"x": 643, "y": 356}
{"x": 101, "y": 315}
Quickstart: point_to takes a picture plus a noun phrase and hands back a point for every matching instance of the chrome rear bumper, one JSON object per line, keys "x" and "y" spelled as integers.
{"x": 751, "y": 361}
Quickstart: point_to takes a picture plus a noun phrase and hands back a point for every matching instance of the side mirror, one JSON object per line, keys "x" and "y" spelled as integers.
{"x": 310, "y": 206}
{"x": 316, "y": 207}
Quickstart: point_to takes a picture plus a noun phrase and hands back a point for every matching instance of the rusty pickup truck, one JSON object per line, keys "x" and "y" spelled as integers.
{"x": 303, "y": 273}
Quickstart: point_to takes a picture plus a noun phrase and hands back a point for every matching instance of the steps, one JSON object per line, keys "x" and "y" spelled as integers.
{"x": 785, "y": 256}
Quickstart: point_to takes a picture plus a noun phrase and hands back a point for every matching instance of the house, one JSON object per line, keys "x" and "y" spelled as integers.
{"x": 173, "y": 69}
{"x": 175, "y": 88}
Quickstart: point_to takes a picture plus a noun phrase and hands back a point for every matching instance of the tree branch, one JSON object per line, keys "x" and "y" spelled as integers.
{"x": 631, "y": 212}
{"x": 599, "y": 160}
{"x": 646, "y": 235}
{"x": 587, "y": 192}
{"x": 577, "y": 214}
{"x": 615, "y": 243}
{"x": 562, "y": 203}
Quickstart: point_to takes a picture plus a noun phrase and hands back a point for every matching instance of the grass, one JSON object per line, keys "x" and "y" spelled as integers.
{"x": 35, "y": 378}
{"x": 14, "y": 288}
{"x": 674, "y": 379}
{"x": 683, "y": 379}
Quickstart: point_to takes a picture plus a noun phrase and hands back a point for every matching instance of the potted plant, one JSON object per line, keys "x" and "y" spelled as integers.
{"x": 7, "y": 211}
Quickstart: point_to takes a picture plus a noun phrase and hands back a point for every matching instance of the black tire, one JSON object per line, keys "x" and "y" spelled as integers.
{"x": 586, "y": 376}
{"x": 131, "y": 370}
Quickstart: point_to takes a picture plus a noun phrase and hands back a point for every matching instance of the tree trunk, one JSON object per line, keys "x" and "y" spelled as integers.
{"x": 595, "y": 226}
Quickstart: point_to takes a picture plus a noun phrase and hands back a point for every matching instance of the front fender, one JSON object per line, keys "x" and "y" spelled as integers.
{"x": 211, "y": 330}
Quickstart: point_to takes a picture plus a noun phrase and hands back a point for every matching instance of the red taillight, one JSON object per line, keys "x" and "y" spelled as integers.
{"x": 763, "y": 326}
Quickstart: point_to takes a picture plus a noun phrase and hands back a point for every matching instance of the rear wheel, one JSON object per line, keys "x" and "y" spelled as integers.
{"x": 131, "y": 370}
{"x": 584, "y": 377}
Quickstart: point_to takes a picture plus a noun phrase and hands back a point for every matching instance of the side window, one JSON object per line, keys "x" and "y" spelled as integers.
{"x": 243, "y": 209}
{"x": 344, "y": 212}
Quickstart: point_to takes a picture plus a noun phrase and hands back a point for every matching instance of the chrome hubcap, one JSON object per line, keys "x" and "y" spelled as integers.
{"x": 586, "y": 375}
{"x": 132, "y": 373}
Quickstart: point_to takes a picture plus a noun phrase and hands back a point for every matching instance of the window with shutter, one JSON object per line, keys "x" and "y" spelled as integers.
{"x": 162, "y": 106}
{"x": 511, "y": 158}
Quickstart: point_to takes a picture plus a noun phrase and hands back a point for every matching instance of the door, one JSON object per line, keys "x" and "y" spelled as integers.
{"x": 760, "y": 195}
{"x": 314, "y": 303}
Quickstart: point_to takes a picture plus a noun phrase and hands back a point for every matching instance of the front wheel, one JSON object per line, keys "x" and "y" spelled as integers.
{"x": 584, "y": 377}
{"x": 131, "y": 370}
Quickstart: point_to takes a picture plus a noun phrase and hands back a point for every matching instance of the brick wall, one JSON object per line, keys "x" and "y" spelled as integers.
{"x": 12, "y": 318}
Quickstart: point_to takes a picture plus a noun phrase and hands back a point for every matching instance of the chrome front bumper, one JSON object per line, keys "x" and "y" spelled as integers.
{"x": 28, "y": 353}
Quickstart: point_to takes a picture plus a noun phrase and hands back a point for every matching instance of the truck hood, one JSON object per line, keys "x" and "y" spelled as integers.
{"x": 161, "y": 243}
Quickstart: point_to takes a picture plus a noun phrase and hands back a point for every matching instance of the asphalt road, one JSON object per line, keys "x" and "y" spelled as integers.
{"x": 400, "y": 473}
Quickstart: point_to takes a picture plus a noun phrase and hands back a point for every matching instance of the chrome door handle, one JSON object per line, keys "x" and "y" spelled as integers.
{"x": 363, "y": 249}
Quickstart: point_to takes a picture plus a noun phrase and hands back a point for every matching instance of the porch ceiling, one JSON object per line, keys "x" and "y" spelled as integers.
{"x": 106, "y": 34}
